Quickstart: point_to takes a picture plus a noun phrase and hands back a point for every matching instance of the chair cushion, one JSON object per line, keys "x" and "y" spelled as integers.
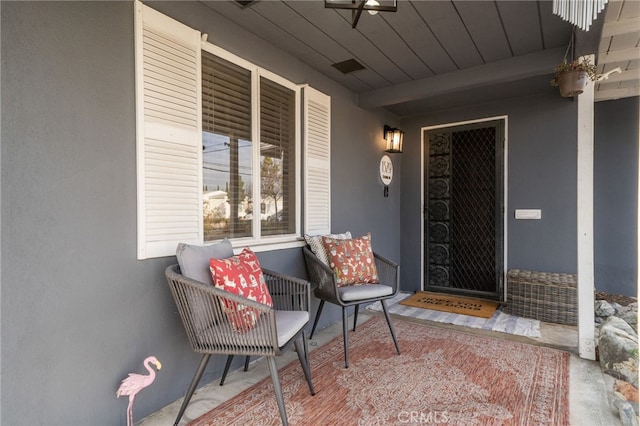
{"x": 241, "y": 275}
{"x": 194, "y": 260}
{"x": 316, "y": 246}
{"x": 219, "y": 336}
{"x": 288, "y": 323}
{"x": 353, "y": 293}
{"x": 352, "y": 260}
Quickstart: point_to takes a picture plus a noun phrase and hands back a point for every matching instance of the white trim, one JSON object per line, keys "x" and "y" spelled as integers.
{"x": 139, "y": 97}
{"x": 505, "y": 196}
{"x": 227, "y": 56}
{"x": 505, "y": 172}
{"x": 255, "y": 145}
{"x": 257, "y": 240}
{"x": 585, "y": 243}
{"x": 267, "y": 245}
{"x": 423, "y": 131}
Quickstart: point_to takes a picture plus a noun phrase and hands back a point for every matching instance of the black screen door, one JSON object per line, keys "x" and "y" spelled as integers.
{"x": 463, "y": 211}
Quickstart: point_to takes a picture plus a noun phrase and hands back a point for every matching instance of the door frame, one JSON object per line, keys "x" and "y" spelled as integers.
{"x": 505, "y": 165}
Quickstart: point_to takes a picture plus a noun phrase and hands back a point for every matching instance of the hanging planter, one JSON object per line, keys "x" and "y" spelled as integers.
{"x": 572, "y": 77}
{"x": 572, "y": 83}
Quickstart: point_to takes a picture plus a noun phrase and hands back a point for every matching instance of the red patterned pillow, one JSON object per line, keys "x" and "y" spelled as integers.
{"x": 352, "y": 260}
{"x": 241, "y": 275}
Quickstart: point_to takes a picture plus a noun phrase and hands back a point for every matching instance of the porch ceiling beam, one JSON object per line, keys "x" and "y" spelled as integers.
{"x": 610, "y": 94}
{"x": 624, "y": 26}
{"x": 619, "y": 55}
{"x": 507, "y": 70}
{"x": 629, "y": 75}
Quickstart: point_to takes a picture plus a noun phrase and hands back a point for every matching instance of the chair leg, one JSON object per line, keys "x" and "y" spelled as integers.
{"x": 246, "y": 363}
{"x": 228, "y": 364}
{"x": 315, "y": 322}
{"x": 278, "y": 390}
{"x": 393, "y": 332}
{"x": 355, "y": 317}
{"x": 226, "y": 369}
{"x": 302, "y": 356}
{"x": 306, "y": 348}
{"x": 345, "y": 336}
{"x": 192, "y": 387}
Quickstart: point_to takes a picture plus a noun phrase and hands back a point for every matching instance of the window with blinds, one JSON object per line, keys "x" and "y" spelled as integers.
{"x": 277, "y": 158}
{"x": 227, "y": 172}
{"x": 219, "y": 151}
{"x": 249, "y": 171}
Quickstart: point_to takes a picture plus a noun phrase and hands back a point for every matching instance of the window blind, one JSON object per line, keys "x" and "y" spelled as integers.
{"x": 277, "y": 157}
{"x": 227, "y": 152}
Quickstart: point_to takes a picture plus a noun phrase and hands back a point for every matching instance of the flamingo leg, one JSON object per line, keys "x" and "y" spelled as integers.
{"x": 130, "y": 411}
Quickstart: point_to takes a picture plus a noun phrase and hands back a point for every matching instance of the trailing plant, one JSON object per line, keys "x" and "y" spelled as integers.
{"x": 585, "y": 65}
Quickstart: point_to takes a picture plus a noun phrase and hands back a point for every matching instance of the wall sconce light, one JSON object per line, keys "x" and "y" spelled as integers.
{"x": 394, "y": 138}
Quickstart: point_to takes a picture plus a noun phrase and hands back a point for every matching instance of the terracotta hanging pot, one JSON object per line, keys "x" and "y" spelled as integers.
{"x": 572, "y": 83}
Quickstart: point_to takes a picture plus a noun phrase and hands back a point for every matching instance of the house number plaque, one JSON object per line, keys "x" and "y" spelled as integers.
{"x": 386, "y": 173}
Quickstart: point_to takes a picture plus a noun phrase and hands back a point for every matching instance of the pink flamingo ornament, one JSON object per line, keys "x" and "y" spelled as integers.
{"x": 135, "y": 383}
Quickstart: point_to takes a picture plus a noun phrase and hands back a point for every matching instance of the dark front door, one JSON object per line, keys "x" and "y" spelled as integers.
{"x": 463, "y": 211}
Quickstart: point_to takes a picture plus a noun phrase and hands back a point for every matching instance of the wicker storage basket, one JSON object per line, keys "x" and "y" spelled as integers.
{"x": 545, "y": 296}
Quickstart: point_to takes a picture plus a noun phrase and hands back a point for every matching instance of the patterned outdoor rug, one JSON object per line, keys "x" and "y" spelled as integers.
{"x": 441, "y": 377}
{"x": 499, "y": 321}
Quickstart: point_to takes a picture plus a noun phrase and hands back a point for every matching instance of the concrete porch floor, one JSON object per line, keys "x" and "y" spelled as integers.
{"x": 587, "y": 393}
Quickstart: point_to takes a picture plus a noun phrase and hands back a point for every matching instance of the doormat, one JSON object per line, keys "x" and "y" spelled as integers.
{"x": 449, "y": 303}
{"x": 500, "y": 321}
{"x": 443, "y": 377}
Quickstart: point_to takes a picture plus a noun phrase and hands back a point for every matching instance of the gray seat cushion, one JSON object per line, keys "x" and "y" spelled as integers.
{"x": 353, "y": 293}
{"x": 194, "y": 259}
{"x": 221, "y": 336}
{"x": 288, "y": 323}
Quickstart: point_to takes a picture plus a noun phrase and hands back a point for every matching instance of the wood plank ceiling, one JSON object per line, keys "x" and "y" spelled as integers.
{"x": 438, "y": 54}
{"x": 620, "y": 47}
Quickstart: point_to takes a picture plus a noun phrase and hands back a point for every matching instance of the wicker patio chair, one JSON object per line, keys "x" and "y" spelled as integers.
{"x": 209, "y": 331}
{"x": 327, "y": 290}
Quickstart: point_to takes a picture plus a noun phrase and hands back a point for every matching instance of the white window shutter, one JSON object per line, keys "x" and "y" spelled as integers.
{"x": 317, "y": 162}
{"x": 168, "y": 133}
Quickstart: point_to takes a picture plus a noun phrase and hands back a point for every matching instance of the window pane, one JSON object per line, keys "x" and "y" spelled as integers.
{"x": 277, "y": 158}
{"x": 227, "y": 149}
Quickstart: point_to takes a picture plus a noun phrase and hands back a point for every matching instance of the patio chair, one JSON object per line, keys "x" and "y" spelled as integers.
{"x": 201, "y": 308}
{"x": 326, "y": 288}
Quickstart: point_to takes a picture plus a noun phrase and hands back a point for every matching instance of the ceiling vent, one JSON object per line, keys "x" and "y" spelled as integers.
{"x": 348, "y": 66}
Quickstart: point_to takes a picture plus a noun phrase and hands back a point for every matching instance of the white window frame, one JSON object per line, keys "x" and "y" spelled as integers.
{"x": 272, "y": 241}
{"x": 178, "y": 226}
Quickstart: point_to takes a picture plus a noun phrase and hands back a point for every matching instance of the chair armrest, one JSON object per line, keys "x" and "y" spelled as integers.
{"x": 287, "y": 292}
{"x": 388, "y": 272}
{"x": 321, "y": 276}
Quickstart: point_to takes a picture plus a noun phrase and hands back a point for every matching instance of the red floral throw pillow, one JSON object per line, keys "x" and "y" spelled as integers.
{"x": 241, "y": 275}
{"x": 352, "y": 260}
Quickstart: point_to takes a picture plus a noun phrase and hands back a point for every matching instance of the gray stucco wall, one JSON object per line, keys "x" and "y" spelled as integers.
{"x": 79, "y": 311}
{"x": 616, "y": 196}
{"x": 541, "y": 174}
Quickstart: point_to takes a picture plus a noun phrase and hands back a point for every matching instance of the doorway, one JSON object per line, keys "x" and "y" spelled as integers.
{"x": 464, "y": 209}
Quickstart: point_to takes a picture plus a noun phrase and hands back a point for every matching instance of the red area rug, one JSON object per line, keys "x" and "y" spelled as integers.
{"x": 441, "y": 377}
